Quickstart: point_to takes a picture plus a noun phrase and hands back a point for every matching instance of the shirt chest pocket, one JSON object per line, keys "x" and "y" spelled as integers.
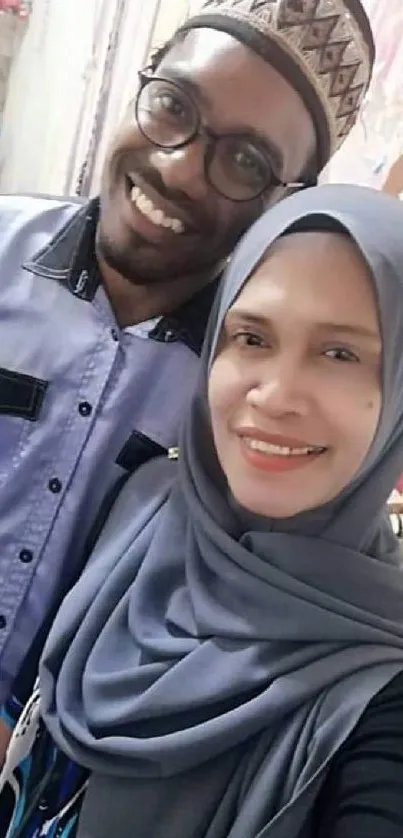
{"x": 21, "y": 399}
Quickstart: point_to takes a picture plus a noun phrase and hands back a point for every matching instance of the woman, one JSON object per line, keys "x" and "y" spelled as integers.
{"x": 231, "y": 662}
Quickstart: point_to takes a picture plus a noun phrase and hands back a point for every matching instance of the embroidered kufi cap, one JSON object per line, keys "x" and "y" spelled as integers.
{"x": 324, "y": 48}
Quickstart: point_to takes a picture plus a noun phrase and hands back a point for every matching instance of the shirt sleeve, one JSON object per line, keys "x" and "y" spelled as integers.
{"x": 363, "y": 793}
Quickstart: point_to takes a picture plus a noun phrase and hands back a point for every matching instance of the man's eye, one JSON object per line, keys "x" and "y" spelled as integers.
{"x": 171, "y": 104}
{"x": 249, "y": 165}
{"x": 340, "y": 353}
{"x": 165, "y": 103}
{"x": 243, "y": 162}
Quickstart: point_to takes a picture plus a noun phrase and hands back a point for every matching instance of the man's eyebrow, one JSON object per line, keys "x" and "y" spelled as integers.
{"x": 265, "y": 143}
{"x": 180, "y": 77}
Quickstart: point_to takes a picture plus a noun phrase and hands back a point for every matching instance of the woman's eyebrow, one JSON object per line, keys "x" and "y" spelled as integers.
{"x": 351, "y": 329}
{"x": 249, "y": 316}
{"x": 354, "y": 329}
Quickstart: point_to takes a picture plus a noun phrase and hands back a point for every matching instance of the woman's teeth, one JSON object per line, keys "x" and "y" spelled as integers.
{"x": 279, "y": 450}
{"x": 155, "y": 215}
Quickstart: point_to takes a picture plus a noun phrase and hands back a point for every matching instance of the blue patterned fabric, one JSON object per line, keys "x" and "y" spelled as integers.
{"x": 41, "y": 790}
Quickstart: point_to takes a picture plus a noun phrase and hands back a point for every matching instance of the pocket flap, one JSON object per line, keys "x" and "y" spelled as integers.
{"x": 21, "y": 395}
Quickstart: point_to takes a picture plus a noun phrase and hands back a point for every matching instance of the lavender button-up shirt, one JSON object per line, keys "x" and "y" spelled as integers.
{"x": 73, "y": 389}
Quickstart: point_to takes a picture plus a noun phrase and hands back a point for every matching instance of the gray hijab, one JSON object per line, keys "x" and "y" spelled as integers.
{"x": 218, "y": 660}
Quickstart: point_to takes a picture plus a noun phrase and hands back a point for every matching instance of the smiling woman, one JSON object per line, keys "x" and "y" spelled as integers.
{"x": 230, "y": 663}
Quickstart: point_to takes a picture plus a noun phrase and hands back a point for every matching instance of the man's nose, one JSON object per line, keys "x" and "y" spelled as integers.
{"x": 183, "y": 169}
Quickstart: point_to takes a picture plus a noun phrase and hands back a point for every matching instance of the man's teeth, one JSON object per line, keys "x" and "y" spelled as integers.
{"x": 279, "y": 450}
{"x": 157, "y": 216}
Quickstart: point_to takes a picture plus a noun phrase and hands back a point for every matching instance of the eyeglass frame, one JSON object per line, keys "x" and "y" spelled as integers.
{"x": 203, "y": 130}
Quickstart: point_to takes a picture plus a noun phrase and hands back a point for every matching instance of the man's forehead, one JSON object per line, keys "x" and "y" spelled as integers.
{"x": 207, "y": 49}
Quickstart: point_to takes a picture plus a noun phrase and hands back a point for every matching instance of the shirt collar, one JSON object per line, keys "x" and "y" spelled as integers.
{"x": 70, "y": 258}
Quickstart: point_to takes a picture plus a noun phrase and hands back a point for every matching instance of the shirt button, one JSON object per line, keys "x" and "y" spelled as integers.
{"x": 26, "y": 556}
{"x": 55, "y": 485}
{"x": 114, "y": 335}
{"x": 3, "y": 621}
{"x": 85, "y": 409}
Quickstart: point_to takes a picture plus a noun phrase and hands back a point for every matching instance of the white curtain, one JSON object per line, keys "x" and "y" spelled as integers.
{"x": 145, "y": 27}
{"x": 58, "y": 65}
{"x": 70, "y": 84}
{"x": 136, "y": 31}
{"x": 63, "y": 82}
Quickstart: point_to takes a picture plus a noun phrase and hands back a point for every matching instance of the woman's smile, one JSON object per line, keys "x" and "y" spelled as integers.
{"x": 270, "y": 452}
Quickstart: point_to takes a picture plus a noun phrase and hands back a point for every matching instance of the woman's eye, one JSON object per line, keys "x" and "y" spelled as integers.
{"x": 247, "y": 339}
{"x": 340, "y": 353}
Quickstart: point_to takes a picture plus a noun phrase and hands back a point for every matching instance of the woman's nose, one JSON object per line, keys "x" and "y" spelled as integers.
{"x": 280, "y": 391}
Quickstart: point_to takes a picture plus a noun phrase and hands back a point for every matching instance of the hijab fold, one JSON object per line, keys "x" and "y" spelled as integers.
{"x": 225, "y": 656}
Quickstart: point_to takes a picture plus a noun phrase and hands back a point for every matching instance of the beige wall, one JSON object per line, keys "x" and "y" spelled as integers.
{"x": 12, "y": 30}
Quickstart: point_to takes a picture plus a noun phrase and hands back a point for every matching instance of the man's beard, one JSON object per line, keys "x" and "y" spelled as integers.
{"x": 197, "y": 256}
{"x": 128, "y": 261}
{"x": 135, "y": 263}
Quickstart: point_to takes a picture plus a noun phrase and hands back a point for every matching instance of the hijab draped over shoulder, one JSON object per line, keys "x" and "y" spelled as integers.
{"x": 216, "y": 661}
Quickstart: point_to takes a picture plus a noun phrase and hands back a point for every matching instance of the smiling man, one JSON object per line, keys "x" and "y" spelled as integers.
{"x": 103, "y": 307}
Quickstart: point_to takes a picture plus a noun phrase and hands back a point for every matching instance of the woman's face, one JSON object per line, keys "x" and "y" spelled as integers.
{"x": 295, "y": 389}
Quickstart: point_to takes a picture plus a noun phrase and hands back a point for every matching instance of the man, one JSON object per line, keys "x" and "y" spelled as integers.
{"x": 103, "y": 307}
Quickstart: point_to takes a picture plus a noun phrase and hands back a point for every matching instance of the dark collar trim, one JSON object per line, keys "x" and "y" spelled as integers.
{"x": 70, "y": 255}
{"x": 189, "y": 322}
{"x": 70, "y": 258}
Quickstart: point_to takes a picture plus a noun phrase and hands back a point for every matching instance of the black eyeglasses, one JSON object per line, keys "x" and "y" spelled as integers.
{"x": 234, "y": 164}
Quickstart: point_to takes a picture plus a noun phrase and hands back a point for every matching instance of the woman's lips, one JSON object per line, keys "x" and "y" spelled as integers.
{"x": 277, "y": 453}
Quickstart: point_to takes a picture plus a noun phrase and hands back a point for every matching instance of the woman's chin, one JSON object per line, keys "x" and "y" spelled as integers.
{"x": 262, "y": 507}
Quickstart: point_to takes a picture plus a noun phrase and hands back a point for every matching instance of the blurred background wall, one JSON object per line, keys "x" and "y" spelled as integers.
{"x": 68, "y": 69}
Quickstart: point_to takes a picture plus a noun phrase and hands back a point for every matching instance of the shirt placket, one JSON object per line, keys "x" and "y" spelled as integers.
{"x": 51, "y": 483}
